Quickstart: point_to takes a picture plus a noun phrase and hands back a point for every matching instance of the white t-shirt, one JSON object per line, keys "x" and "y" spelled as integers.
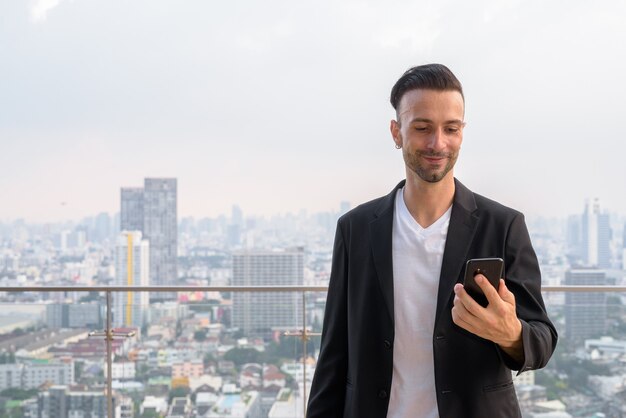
{"x": 417, "y": 256}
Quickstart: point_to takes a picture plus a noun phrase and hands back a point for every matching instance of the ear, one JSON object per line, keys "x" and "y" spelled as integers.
{"x": 394, "y": 128}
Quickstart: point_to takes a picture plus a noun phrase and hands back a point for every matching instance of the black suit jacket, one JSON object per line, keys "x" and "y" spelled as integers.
{"x": 472, "y": 375}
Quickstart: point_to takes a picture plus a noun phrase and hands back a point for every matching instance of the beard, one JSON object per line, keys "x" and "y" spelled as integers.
{"x": 425, "y": 170}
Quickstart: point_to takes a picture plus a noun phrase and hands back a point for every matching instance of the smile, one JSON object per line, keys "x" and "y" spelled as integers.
{"x": 434, "y": 159}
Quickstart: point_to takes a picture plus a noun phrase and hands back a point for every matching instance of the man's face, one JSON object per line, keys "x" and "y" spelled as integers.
{"x": 430, "y": 131}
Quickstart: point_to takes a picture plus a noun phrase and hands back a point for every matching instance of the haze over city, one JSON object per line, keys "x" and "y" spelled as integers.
{"x": 284, "y": 105}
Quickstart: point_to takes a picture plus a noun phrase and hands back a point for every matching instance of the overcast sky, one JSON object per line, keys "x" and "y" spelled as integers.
{"x": 283, "y": 105}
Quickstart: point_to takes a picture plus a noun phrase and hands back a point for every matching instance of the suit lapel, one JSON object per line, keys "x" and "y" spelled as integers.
{"x": 463, "y": 223}
{"x": 380, "y": 233}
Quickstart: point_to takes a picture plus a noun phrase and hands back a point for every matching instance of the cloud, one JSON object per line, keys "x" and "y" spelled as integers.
{"x": 39, "y": 10}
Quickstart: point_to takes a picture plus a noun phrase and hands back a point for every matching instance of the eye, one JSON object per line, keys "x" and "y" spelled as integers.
{"x": 421, "y": 128}
{"x": 452, "y": 129}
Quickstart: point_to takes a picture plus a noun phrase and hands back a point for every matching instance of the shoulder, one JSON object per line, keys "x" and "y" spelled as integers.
{"x": 494, "y": 208}
{"x": 481, "y": 205}
{"x": 373, "y": 209}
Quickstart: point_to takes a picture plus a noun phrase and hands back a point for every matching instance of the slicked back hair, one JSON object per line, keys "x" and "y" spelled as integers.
{"x": 429, "y": 77}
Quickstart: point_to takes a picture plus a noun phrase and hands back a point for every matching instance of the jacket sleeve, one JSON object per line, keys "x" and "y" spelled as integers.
{"x": 523, "y": 278}
{"x": 329, "y": 381}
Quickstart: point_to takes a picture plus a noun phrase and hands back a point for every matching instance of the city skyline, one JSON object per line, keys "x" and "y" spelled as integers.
{"x": 281, "y": 107}
{"x": 339, "y": 207}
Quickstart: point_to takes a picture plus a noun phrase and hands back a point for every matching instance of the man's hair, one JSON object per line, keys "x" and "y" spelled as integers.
{"x": 429, "y": 77}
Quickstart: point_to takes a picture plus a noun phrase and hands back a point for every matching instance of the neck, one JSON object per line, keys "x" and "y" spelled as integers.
{"x": 426, "y": 201}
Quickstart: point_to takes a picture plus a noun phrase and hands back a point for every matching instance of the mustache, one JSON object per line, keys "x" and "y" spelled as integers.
{"x": 431, "y": 154}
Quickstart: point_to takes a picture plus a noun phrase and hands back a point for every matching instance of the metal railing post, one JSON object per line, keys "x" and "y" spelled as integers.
{"x": 304, "y": 341}
{"x": 109, "y": 341}
{"x": 109, "y": 335}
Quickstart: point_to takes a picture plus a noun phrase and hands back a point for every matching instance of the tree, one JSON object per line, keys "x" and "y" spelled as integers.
{"x": 17, "y": 394}
{"x": 199, "y": 335}
{"x": 241, "y": 356}
{"x": 179, "y": 392}
{"x": 208, "y": 359}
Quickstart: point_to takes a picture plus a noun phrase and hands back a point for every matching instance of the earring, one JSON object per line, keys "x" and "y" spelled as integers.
{"x": 398, "y": 146}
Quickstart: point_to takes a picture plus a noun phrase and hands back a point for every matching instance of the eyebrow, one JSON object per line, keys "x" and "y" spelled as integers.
{"x": 448, "y": 122}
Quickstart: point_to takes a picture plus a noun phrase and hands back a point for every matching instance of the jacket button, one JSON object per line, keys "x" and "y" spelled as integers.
{"x": 382, "y": 394}
{"x": 387, "y": 344}
{"x": 440, "y": 337}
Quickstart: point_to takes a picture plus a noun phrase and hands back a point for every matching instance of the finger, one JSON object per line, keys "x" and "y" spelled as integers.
{"x": 467, "y": 301}
{"x": 459, "y": 317}
{"x": 490, "y": 292}
{"x": 505, "y": 293}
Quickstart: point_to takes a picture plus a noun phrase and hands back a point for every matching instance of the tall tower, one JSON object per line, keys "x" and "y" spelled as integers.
{"x": 152, "y": 209}
{"x": 260, "y": 313}
{"x": 131, "y": 210}
{"x": 574, "y": 238}
{"x": 585, "y": 313}
{"x": 160, "y": 228}
{"x": 596, "y": 236}
{"x": 604, "y": 241}
{"x": 132, "y": 268}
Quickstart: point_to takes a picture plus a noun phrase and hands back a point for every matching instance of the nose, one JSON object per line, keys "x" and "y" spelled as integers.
{"x": 437, "y": 140}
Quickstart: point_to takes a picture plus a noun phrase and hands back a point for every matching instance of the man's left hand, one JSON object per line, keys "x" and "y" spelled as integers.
{"x": 497, "y": 322}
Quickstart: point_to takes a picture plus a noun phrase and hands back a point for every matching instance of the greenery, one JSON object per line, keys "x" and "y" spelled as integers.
{"x": 90, "y": 297}
{"x": 179, "y": 392}
{"x": 18, "y": 394}
{"x": 150, "y": 414}
{"x": 208, "y": 358}
{"x": 554, "y": 386}
{"x": 576, "y": 369}
{"x": 241, "y": 356}
{"x": 12, "y": 413}
{"x": 142, "y": 371}
{"x": 288, "y": 348}
{"x": 200, "y": 335}
{"x": 7, "y": 357}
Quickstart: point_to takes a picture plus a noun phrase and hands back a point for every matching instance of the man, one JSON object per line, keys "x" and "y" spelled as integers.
{"x": 401, "y": 337}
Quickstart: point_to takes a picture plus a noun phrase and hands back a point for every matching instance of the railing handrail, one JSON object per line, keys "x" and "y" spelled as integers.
{"x": 295, "y": 288}
{"x": 164, "y": 289}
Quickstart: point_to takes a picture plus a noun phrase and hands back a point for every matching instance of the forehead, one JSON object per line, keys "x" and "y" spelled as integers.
{"x": 436, "y": 105}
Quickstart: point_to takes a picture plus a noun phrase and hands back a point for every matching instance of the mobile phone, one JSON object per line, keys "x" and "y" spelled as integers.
{"x": 491, "y": 268}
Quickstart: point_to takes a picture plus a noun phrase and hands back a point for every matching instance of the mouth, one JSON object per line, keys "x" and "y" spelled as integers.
{"x": 434, "y": 160}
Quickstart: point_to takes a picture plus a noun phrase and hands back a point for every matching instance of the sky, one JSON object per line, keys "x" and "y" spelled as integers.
{"x": 279, "y": 106}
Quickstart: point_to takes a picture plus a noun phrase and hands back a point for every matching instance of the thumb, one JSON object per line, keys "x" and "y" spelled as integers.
{"x": 505, "y": 293}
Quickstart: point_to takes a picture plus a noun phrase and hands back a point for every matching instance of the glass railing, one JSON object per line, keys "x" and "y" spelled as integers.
{"x": 248, "y": 352}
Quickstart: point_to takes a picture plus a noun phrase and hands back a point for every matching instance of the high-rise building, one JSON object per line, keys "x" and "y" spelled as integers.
{"x": 574, "y": 238}
{"x": 131, "y": 210}
{"x": 596, "y": 236}
{"x": 235, "y": 227}
{"x": 153, "y": 211}
{"x": 132, "y": 267}
{"x": 160, "y": 228}
{"x": 585, "y": 313}
{"x": 604, "y": 241}
{"x": 261, "y": 313}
